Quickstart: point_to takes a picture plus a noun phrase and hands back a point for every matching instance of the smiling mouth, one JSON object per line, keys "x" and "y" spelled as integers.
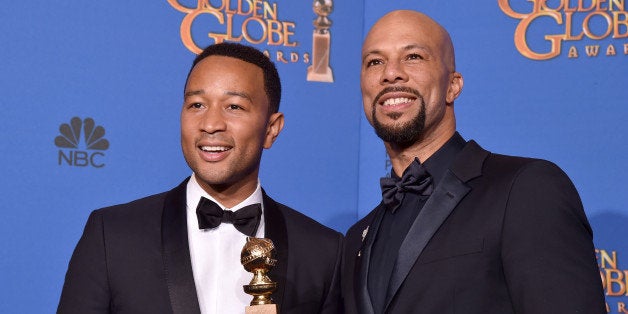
{"x": 215, "y": 149}
{"x": 396, "y": 95}
{"x": 396, "y": 101}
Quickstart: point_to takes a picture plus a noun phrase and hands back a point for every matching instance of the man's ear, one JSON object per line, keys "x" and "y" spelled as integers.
{"x": 455, "y": 87}
{"x": 275, "y": 125}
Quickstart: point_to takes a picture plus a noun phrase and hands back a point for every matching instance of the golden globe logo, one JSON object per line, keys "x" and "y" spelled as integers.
{"x": 252, "y": 21}
{"x": 614, "y": 280}
{"x": 577, "y": 19}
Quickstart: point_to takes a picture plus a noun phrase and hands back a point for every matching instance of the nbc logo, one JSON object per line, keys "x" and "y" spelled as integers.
{"x": 68, "y": 142}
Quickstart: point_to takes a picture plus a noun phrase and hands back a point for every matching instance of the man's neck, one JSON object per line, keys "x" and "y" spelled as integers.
{"x": 230, "y": 195}
{"x": 423, "y": 148}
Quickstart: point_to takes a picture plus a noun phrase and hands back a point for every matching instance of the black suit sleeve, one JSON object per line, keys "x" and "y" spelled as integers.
{"x": 333, "y": 301}
{"x": 86, "y": 288}
{"x": 547, "y": 250}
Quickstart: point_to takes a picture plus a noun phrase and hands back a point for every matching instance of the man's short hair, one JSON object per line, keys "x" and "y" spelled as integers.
{"x": 272, "y": 83}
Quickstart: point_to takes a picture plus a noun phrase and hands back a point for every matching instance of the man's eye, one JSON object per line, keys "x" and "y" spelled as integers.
{"x": 196, "y": 105}
{"x": 234, "y": 107}
{"x": 414, "y": 56}
{"x": 373, "y": 62}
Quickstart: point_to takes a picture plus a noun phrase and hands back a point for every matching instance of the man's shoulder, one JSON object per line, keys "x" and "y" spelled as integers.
{"x": 504, "y": 163}
{"x": 139, "y": 215}
{"x": 143, "y": 207}
{"x": 523, "y": 173}
{"x": 137, "y": 206}
{"x": 519, "y": 164}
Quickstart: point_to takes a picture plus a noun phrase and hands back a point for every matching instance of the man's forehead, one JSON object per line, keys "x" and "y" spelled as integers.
{"x": 399, "y": 30}
{"x": 398, "y": 39}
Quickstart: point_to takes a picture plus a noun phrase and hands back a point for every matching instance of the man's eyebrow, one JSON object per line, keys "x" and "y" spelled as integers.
{"x": 416, "y": 46}
{"x": 370, "y": 52}
{"x": 239, "y": 94}
{"x": 404, "y": 48}
{"x": 228, "y": 93}
{"x": 193, "y": 93}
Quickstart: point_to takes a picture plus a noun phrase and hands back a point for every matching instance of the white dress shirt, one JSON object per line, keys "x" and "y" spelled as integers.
{"x": 215, "y": 256}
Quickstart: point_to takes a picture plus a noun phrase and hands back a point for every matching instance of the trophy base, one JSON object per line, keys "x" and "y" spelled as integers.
{"x": 320, "y": 71}
{"x": 325, "y": 76}
{"x": 261, "y": 309}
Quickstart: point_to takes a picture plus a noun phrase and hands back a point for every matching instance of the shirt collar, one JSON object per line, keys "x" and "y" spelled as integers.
{"x": 439, "y": 162}
{"x": 195, "y": 191}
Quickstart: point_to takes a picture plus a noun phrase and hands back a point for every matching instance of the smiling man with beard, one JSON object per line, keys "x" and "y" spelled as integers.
{"x": 179, "y": 251}
{"x": 459, "y": 229}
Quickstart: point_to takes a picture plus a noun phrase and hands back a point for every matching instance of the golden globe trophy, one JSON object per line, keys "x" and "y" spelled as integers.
{"x": 258, "y": 257}
{"x": 319, "y": 70}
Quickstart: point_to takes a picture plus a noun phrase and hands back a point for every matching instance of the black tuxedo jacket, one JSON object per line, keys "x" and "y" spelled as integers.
{"x": 499, "y": 234}
{"x": 134, "y": 258}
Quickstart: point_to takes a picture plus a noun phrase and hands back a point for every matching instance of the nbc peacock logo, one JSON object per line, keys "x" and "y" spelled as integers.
{"x": 92, "y": 150}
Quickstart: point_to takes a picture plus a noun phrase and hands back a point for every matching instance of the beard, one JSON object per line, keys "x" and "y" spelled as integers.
{"x": 403, "y": 134}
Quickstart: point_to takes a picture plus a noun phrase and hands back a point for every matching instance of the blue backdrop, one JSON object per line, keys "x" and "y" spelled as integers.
{"x": 533, "y": 87}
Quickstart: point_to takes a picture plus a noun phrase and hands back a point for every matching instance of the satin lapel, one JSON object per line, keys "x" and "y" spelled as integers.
{"x": 446, "y": 196}
{"x": 176, "y": 252}
{"x": 363, "y": 298}
{"x": 443, "y": 200}
{"x": 275, "y": 229}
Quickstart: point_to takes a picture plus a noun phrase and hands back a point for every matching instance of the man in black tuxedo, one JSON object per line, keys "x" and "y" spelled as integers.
{"x": 460, "y": 229}
{"x": 170, "y": 253}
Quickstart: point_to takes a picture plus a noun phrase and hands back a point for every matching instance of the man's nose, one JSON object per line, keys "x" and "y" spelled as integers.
{"x": 213, "y": 120}
{"x": 394, "y": 71}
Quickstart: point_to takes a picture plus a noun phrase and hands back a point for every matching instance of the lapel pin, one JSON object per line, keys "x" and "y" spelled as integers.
{"x": 364, "y": 233}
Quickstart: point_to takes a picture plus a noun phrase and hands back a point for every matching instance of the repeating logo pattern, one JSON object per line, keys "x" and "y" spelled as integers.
{"x": 70, "y": 137}
{"x": 71, "y": 133}
{"x": 255, "y": 22}
{"x": 258, "y": 22}
{"x": 614, "y": 279}
{"x": 591, "y": 28}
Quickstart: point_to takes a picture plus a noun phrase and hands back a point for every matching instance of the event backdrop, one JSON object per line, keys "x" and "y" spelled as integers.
{"x": 91, "y": 94}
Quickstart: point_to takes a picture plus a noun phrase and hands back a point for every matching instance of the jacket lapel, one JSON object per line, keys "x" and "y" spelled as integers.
{"x": 369, "y": 235}
{"x": 446, "y": 196}
{"x": 176, "y": 252}
{"x": 275, "y": 229}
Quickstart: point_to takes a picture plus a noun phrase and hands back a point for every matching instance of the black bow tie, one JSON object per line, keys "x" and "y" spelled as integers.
{"x": 415, "y": 179}
{"x": 245, "y": 219}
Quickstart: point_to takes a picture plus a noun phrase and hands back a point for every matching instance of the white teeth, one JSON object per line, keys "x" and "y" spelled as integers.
{"x": 214, "y": 149}
{"x": 396, "y": 101}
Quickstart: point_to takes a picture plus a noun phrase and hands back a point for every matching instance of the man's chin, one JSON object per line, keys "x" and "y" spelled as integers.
{"x": 401, "y": 134}
{"x": 392, "y": 125}
{"x": 389, "y": 117}
{"x": 212, "y": 178}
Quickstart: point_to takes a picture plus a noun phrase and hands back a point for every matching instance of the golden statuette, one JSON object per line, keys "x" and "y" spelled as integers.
{"x": 258, "y": 257}
{"x": 321, "y": 43}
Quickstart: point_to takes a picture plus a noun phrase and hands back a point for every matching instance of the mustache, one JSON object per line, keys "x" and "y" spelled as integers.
{"x": 392, "y": 89}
